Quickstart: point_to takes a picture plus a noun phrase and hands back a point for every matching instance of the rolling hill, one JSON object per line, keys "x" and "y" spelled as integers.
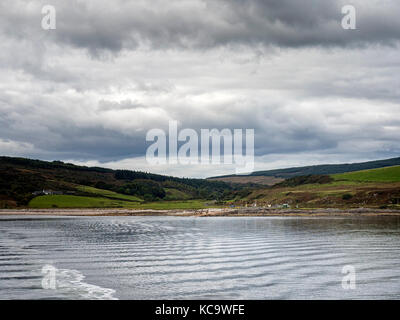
{"x": 43, "y": 184}
{"x": 26, "y": 182}
{"x": 326, "y": 169}
{"x": 376, "y": 188}
{"x": 387, "y": 174}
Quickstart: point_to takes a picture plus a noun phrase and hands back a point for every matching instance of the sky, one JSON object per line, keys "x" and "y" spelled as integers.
{"x": 88, "y": 91}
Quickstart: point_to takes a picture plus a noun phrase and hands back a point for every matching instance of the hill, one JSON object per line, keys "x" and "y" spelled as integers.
{"x": 326, "y": 169}
{"x": 43, "y": 184}
{"x": 388, "y": 174}
{"x": 376, "y": 188}
{"x": 22, "y": 180}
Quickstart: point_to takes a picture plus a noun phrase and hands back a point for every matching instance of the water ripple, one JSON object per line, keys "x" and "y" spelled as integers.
{"x": 192, "y": 258}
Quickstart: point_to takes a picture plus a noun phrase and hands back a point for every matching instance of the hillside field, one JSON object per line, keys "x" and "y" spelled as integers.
{"x": 376, "y": 188}
{"x": 70, "y": 201}
{"x": 108, "y": 193}
{"x": 388, "y": 174}
{"x": 22, "y": 180}
{"x": 325, "y": 169}
{"x": 91, "y": 187}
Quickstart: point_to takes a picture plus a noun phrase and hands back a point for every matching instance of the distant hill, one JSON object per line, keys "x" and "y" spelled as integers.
{"x": 23, "y": 179}
{"x": 386, "y": 174}
{"x": 326, "y": 169}
{"x": 373, "y": 188}
{"x": 258, "y": 180}
{"x": 42, "y": 184}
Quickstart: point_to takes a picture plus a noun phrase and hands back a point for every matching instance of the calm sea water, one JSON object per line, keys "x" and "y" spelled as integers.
{"x": 198, "y": 258}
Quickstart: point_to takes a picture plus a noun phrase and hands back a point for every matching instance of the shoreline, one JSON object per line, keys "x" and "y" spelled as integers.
{"x": 211, "y": 212}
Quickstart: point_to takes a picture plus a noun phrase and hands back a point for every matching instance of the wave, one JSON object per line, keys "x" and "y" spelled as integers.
{"x": 71, "y": 283}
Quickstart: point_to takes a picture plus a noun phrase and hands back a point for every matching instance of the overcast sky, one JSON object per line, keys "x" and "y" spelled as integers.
{"x": 88, "y": 91}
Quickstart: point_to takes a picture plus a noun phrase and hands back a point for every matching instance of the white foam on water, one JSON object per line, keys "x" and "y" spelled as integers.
{"x": 70, "y": 282}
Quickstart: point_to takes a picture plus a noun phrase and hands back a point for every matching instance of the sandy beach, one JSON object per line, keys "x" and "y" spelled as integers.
{"x": 211, "y": 212}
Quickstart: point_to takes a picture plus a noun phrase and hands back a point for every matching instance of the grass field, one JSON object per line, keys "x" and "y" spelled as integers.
{"x": 69, "y": 201}
{"x": 173, "y": 194}
{"x": 170, "y": 205}
{"x": 367, "y": 188}
{"x": 388, "y": 174}
{"x": 108, "y": 194}
{"x": 263, "y": 180}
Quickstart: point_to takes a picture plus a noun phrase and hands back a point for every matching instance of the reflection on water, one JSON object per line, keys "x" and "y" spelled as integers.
{"x": 199, "y": 258}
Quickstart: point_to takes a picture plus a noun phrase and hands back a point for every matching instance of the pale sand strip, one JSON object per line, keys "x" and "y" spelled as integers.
{"x": 211, "y": 212}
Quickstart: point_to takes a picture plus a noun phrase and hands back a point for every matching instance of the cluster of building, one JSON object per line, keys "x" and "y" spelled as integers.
{"x": 269, "y": 206}
{"x": 46, "y": 192}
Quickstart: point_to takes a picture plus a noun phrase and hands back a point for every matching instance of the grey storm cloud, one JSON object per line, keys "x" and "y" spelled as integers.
{"x": 204, "y": 24}
{"x": 89, "y": 90}
{"x": 116, "y": 25}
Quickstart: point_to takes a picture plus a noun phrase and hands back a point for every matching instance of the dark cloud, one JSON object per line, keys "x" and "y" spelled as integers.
{"x": 213, "y": 23}
{"x": 113, "y": 26}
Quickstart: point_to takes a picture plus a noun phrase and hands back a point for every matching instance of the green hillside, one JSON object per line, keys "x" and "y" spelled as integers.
{"x": 23, "y": 182}
{"x": 70, "y": 201}
{"x": 107, "y": 193}
{"x": 388, "y": 174}
{"x": 375, "y": 188}
{"x": 325, "y": 169}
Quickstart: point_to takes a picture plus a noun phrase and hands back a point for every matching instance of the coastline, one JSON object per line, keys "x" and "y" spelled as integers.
{"x": 210, "y": 212}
